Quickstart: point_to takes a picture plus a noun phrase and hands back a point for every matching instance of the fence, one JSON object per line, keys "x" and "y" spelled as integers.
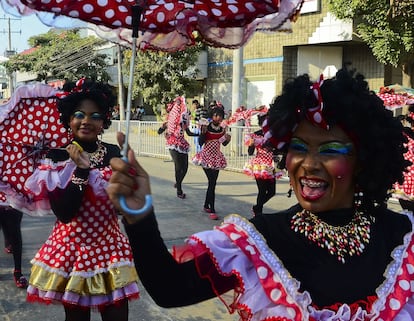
{"x": 145, "y": 141}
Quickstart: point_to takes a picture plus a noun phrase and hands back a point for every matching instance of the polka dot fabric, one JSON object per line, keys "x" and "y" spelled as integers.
{"x": 175, "y": 127}
{"x": 403, "y": 287}
{"x": 211, "y": 156}
{"x": 269, "y": 280}
{"x": 407, "y": 187}
{"x": 244, "y": 253}
{"x": 89, "y": 258}
{"x": 261, "y": 165}
{"x": 90, "y": 242}
{"x": 170, "y": 25}
{"x": 28, "y": 130}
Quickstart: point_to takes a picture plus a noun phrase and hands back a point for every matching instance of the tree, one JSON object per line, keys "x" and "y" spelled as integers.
{"x": 64, "y": 55}
{"x": 159, "y": 77}
{"x": 387, "y": 26}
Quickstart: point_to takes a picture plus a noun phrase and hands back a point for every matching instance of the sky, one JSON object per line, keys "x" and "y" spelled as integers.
{"x": 21, "y": 29}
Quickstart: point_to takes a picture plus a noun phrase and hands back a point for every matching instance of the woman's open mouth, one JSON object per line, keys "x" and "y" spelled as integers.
{"x": 313, "y": 189}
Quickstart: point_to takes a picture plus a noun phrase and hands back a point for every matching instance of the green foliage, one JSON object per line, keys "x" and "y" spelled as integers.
{"x": 386, "y": 26}
{"x": 64, "y": 55}
{"x": 159, "y": 77}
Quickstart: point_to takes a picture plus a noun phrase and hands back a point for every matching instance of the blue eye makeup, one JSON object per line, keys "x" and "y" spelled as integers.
{"x": 331, "y": 148}
{"x": 298, "y": 145}
{"x": 81, "y": 115}
{"x": 335, "y": 148}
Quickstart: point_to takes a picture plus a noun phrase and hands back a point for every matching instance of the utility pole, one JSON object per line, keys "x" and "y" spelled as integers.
{"x": 10, "y": 52}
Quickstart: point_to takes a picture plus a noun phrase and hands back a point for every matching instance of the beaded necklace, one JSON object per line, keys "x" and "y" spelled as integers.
{"x": 340, "y": 241}
{"x": 96, "y": 157}
{"x": 215, "y": 127}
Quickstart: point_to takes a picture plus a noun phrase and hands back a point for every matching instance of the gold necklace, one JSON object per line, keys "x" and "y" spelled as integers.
{"x": 96, "y": 157}
{"x": 340, "y": 241}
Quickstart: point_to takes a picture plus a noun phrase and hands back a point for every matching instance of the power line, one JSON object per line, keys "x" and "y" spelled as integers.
{"x": 9, "y": 32}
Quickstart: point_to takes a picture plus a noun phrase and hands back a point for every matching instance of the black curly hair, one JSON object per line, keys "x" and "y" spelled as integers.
{"x": 216, "y": 110}
{"x": 100, "y": 93}
{"x": 348, "y": 103}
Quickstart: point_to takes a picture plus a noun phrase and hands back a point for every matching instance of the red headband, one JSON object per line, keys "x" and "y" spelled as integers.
{"x": 76, "y": 89}
{"x": 314, "y": 115}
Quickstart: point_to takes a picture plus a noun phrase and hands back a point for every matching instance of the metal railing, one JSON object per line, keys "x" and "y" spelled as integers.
{"x": 145, "y": 141}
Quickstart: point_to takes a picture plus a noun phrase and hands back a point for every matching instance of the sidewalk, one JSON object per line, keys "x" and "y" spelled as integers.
{"x": 178, "y": 218}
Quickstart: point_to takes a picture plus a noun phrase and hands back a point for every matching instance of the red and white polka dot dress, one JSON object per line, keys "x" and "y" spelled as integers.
{"x": 211, "y": 156}
{"x": 406, "y": 190}
{"x": 87, "y": 262}
{"x": 176, "y": 124}
{"x": 261, "y": 165}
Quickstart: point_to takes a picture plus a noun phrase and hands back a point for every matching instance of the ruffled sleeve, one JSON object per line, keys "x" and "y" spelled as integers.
{"x": 265, "y": 289}
{"x": 49, "y": 176}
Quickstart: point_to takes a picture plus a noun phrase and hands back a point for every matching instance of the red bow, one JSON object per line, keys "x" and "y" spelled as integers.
{"x": 76, "y": 89}
{"x": 314, "y": 115}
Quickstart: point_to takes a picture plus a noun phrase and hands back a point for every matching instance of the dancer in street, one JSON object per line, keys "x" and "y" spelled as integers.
{"x": 86, "y": 263}
{"x": 261, "y": 167}
{"x": 212, "y": 136}
{"x": 177, "y": 123}
{"x": 10, "y": 223}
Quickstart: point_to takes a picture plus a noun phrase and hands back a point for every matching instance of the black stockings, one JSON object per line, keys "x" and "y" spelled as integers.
{"x": 115, "y": 312}
{"x": 212, "y": 175}
{"x": 181, "y": 167}
{"x": 267, "y": 189}
{"x": 10, "y": 220}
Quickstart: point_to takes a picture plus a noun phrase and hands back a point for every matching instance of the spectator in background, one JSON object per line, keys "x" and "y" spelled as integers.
{"x": 141, "y": 112}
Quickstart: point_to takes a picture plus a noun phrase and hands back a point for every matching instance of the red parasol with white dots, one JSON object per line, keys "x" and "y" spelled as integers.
{"x": 167, "y": 25}
{"x": 29, "y": 127}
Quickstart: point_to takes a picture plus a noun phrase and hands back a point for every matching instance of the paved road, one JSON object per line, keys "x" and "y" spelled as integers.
{"x": 177, "y": 218}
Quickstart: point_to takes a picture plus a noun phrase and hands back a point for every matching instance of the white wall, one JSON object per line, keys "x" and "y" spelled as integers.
{"x": 313, "y": 60}
{"x": 260, "y": 93}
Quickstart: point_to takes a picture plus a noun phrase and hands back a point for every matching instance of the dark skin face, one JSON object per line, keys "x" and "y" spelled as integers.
{"x": 322, "y": 166}
{"x": 85, "y": 123}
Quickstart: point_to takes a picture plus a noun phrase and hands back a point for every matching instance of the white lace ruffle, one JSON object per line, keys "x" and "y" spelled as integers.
{"x": 49, "y": 176}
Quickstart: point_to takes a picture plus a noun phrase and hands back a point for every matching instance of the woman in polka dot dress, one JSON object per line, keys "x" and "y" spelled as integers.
{"x": 405, "y": 192}
{"x": 262, "y": 168}
{"x": 86, "y": 263}
{"x": 210, "y": 157}
{"x": 177, "y": 123}
{"x": 338, "y": 254}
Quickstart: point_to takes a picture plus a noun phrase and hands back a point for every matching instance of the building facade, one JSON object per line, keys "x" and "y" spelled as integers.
{"x": 319, "y": 44}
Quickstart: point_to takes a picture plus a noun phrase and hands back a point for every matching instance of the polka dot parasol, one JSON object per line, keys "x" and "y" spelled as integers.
{"x": 167, "y": 25}
{"x": 29, "y": 127}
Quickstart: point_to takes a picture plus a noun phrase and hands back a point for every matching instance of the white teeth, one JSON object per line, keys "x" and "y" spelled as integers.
{"x": 311, "y": 183}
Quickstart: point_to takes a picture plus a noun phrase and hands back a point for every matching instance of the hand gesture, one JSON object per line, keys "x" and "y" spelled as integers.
{"x": 78, "y": 155}
{"x": 130, "y": 180}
